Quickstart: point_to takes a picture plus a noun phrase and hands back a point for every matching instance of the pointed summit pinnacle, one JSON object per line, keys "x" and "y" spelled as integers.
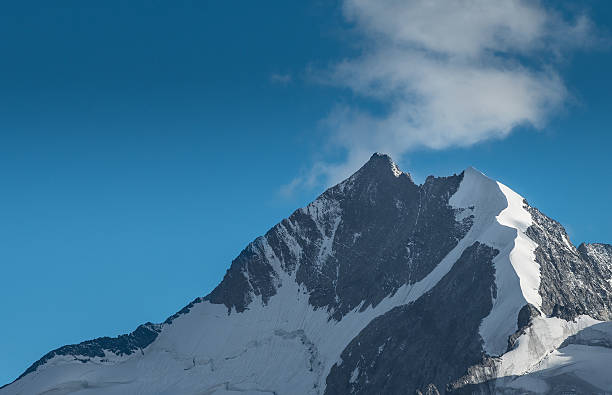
{"x": 381, "y": 164}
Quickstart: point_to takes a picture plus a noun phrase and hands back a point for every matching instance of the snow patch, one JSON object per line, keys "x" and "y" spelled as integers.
{"x": 396, "y": 171}
{"x": 354, "y": 375}
{"x": 567, "y": 242}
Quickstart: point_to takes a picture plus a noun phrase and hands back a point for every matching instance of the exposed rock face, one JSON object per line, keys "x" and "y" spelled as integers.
{"x": 378, "y": 286}
{"x": 386, "y": 358}
{"x": 525, "y": 317}
{"x": 358, "y": 242}
{"x": 573, "y": 281}
{"x": 121, "y": 345}
{"x": 430, "y": 390}
{"x": 600, "y": 257}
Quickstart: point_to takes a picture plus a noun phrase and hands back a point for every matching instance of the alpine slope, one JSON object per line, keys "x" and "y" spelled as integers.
{"x": 379, "y": 286}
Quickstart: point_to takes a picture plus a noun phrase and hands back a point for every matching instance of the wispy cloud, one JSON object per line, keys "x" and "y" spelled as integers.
{"x": 447, "y": 73}
{"x": 282, "y": 79}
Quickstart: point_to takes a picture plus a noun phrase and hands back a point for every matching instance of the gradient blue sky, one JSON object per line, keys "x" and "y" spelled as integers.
{"x": 143, "y": 144}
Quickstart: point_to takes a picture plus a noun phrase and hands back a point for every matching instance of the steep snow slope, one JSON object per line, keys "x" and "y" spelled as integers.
{"x": 301, "y": 301}
{"x": 501, "y": 222}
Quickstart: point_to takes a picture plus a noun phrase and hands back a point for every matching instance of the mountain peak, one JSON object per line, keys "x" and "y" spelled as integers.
{"x": 379, "y": 285}
{"x": 381, "y": 164}
{"x": 475, "y": 172}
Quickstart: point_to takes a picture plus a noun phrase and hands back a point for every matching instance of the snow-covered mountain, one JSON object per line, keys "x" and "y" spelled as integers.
{"x": 379, "y": 286}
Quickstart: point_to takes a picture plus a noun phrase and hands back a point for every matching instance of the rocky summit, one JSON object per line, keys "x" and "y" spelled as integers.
{"x": 379, "y": 286}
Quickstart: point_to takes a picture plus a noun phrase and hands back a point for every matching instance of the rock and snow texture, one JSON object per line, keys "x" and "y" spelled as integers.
{"x": 501, "y": 221}
{"x": 378, "y": 286}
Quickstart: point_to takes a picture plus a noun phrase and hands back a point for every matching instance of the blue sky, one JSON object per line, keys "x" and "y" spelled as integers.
{"x": 143, "y": 145}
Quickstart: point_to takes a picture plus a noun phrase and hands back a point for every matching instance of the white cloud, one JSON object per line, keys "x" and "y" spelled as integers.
{"x": 448, "y": 72}
{"x": 282, "y": 79}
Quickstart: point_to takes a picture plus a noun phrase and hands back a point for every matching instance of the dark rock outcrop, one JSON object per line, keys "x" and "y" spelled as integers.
{"x": 433, "y": 340}
{"x": 573, "y": 282}
{"x": 120, "y": 345}
{"x": 358, "y": 242}
{"x": 525, "y": 316}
